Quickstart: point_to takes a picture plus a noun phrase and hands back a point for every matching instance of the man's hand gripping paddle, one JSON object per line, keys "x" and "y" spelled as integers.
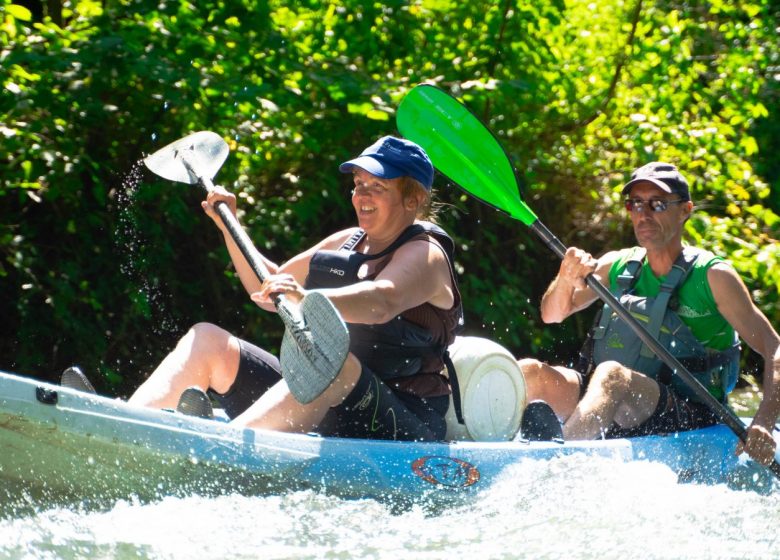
{"x": 463, "y": 149}
{"x": 316, "y": 340}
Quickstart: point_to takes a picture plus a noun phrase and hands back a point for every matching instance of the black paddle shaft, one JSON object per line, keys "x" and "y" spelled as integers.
{"x": 244, "y": 243}
{"x": 725, "y": 414}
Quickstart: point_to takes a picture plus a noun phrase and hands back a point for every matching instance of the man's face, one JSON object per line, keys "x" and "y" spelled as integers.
{"x": 656, "y": 230}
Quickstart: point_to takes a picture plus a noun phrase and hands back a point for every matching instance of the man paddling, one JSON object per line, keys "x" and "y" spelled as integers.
{"x": 620, "y": 388}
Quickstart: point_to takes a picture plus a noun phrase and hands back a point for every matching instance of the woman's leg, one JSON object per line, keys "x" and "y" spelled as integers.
{"x": 278, "y": 410}
{"x": 207, "y": 357}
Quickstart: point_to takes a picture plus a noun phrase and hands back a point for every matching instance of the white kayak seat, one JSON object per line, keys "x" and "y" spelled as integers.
{"x": 492, "y": 391}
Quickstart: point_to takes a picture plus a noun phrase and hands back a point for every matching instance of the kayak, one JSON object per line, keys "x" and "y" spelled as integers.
{"x": 61, "y": 445}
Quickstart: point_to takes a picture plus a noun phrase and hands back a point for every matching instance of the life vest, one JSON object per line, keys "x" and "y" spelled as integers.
{"x": 612, "y": 339}
{"x": 400, "y": 347}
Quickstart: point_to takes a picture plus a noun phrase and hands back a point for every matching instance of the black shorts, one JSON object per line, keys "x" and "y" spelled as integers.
{"x": 672, "y": 414}
{"x": 371, "y": 410}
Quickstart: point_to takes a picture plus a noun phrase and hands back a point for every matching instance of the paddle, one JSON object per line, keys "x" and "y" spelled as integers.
{"x": 316, "y": 341}
{"x": 465, "y": 150}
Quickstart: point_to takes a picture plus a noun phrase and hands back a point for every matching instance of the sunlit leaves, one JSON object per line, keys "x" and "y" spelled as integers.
{"x": 84, "y": 8}
{"x": 579, "y": 93}
{"x": 18, "y": 12}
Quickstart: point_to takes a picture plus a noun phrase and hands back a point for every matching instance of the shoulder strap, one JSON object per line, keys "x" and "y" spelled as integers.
{"x": 406, "y": 235}
{"x": 630, "y": 275}
{"x": 442, "y": 237}
{"x": 677, "y": 275}
{"x": 410, "y": 232}
{"x": 625, "y": 282}
{"x": 354, "y": 239}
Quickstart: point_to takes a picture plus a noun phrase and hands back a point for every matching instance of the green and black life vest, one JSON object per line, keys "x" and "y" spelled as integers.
{"x": 613, "y": 339}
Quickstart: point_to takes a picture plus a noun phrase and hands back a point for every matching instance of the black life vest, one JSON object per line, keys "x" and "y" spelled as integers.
{"x": 399, "y": 347}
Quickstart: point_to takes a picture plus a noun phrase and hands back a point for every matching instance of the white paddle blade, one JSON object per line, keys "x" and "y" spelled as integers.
{"x": 312, "y": 356}
{"x": 205, "y": 151}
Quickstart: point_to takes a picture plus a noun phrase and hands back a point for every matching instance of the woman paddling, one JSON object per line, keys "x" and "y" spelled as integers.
{"x": 392, "y": 280}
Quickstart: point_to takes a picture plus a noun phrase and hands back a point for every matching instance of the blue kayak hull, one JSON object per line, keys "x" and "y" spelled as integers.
{"x": 63, "y": 445}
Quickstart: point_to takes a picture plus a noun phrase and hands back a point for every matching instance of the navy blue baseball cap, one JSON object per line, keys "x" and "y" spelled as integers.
{"x": 391, "y": 157}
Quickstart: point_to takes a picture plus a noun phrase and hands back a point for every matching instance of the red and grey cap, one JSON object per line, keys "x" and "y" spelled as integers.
{"x": 665, "y": 176}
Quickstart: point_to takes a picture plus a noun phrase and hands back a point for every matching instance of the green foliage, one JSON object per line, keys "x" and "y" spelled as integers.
{"x": 104, "y": 265}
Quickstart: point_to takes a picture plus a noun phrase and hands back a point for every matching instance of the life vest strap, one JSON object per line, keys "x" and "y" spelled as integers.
{"x": 680, "y": 269}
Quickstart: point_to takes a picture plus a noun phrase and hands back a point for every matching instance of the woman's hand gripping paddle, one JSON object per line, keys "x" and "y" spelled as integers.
{"x": 465, "y": 150}
{"x": 316, "y": 340}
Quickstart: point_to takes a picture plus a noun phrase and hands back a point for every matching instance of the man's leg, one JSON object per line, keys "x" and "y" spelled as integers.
{"x": 557, "y": 386}
{"x": 614, "y": 394}
{"x": 207, "y": 357}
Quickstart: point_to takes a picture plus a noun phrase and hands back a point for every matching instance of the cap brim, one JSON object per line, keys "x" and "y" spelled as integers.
{"x": 373, "y": 166}
{"x": 660, "y": 184}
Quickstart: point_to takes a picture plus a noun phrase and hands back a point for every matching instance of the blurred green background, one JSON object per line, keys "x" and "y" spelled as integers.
{"x": 104, "y": 265}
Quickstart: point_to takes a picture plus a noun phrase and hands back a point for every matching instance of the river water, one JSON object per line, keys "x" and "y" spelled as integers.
{"x": 568, "y": 507}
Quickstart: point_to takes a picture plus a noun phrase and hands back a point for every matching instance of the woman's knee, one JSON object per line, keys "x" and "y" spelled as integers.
{"x": 215, "y": 350}
{"x": 344, "y": 382}
{"x": 208, "y": 334}
{"x": 208, "y": 340}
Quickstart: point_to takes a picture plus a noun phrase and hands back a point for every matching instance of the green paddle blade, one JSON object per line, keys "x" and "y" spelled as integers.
{"x": 462, "y": 148}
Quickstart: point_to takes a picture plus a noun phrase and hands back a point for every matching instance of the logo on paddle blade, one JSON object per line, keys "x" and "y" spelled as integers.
{"x": 445, "y": 471}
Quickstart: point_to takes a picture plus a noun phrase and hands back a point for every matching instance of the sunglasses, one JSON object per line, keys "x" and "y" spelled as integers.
{"x": 655, "y": 204}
